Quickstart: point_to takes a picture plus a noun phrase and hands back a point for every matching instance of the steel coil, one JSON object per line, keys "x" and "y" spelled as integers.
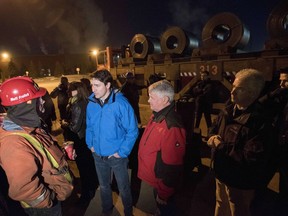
{"x": 177, "y": 41}
{"x": 225, "y": 29}
{"x": 277, "y": 23}
{"x": 142, "y": 45}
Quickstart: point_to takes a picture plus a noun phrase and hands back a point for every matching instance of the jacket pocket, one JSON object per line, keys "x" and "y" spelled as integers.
{"x": 59, "y": 183}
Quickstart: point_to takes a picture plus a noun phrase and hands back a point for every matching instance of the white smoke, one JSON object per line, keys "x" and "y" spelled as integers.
{"x": 46, "y": 26}
{"x": 83, "y": 27}
{"x": 188, "y": 16}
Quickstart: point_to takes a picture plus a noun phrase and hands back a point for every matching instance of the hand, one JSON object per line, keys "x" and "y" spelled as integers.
{"x": 52, "y": 196}
{"x": 74, "y": 155}
{"x": 160, "y": 201}
{"x": 214, "y": 141}
{"x": 64, "y": 123}
{"x": 116, "y": 155}
{"x": 92, "y": 149}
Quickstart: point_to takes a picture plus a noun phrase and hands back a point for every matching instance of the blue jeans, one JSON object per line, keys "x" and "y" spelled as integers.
{"x": 119, "y": 166}
{"x": 56, "y": 210}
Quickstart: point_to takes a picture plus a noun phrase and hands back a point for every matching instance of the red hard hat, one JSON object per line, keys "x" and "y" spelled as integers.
{"x": 18, "y": 90}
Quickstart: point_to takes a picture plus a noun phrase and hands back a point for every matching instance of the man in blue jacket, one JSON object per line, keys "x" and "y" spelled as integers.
{"x": 111, "y": 132}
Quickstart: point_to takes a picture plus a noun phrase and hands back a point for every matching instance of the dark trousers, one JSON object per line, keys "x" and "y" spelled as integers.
{"x": 3, "y": 205}
{"x": 133, "y": 165}
{"x": 283, "y": 182}
{"x": 86, "y": 166}
{"x": 169, "y": 209}
{"x": 207, "y": 116}
{"x": 56, "y": 210}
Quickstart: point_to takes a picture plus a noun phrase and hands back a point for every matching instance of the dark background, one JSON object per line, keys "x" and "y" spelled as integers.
{"x": 73, "y": 26}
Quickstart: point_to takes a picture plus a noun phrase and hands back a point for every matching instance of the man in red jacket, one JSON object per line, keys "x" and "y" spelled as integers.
{"x": 162, "y": 147}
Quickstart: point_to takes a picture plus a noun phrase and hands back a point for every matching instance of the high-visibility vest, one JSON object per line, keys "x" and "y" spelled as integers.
{"x": 41, "y": 148}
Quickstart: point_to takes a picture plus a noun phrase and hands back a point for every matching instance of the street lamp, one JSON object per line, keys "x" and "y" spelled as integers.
{"x": 95, "y": 53}
{"x": 5, "y": 59}
{"x": 78, "y": 70}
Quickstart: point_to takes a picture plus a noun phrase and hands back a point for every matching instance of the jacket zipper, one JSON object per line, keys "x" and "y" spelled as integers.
{"x": 149, "y": 134}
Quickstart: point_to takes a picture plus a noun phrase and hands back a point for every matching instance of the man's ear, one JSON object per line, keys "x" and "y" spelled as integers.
{"x": 29, "y": 102}
{"x": 166, "y": 99}
{"x": 108, "y": 85}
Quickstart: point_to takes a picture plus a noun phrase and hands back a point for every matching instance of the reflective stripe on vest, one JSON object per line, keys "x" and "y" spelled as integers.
{"x": 46, "y": 153}
{"x": 51, "y": 159}
{"x": 35, "y": 202}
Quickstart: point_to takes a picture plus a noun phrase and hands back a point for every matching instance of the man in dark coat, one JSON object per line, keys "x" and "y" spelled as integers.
{"x": 61, "y": 92}
{"x": 131, "y": 91}
{"x": 203, "y": 92}
{"x": 245, "y": 156}
{"x": 46, "y": 111}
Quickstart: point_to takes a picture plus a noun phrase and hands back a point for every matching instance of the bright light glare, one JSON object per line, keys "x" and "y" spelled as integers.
{"x": 94, "y": 52}
{"x": 5, "y": 55}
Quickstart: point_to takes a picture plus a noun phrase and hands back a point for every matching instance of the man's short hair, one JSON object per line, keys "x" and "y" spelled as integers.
{"x": 284, "y": 70}
{"x": 103, "y": 76}
{"x": 163, "y": 88}
{"x": 64, "y": 80}
{"x": 254, "y": 79}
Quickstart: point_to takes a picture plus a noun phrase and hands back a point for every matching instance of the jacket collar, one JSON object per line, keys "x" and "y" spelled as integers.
{"x": 9, "y": 125}
{"x": 159, "y": 116}
{"x": 109, "y": 99}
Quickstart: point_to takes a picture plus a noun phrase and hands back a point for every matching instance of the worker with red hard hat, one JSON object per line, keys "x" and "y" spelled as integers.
{"x": 36, "y": 182}
{"x": 18, "y": 90}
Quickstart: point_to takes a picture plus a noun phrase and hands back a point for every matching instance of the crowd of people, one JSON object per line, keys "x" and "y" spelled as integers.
{"x": 248, "y": 142}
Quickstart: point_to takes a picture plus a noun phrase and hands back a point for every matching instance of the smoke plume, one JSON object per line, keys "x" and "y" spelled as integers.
{"x": 51, "y": 27}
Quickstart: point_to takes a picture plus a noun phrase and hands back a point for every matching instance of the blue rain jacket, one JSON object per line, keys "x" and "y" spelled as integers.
{"x": 111, "y": 127}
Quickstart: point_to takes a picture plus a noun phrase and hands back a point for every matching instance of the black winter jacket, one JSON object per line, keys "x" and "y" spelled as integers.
{"x": 248, "y": 157}
{"x": 77, "y": 116}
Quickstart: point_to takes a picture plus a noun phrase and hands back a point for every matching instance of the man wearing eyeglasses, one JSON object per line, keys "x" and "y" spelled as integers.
{"x": 243, "y": 146}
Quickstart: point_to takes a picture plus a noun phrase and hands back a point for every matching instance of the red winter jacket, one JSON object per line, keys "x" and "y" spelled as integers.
{"x": 161, "y": 152}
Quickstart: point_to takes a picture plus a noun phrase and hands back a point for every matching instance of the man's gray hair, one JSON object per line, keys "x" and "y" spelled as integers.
{"x": 163, "y": 88}
{"x": 254, "y": 79}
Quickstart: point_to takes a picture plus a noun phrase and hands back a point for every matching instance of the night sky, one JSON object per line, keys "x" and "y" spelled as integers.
{"x": 77, "y": 26}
